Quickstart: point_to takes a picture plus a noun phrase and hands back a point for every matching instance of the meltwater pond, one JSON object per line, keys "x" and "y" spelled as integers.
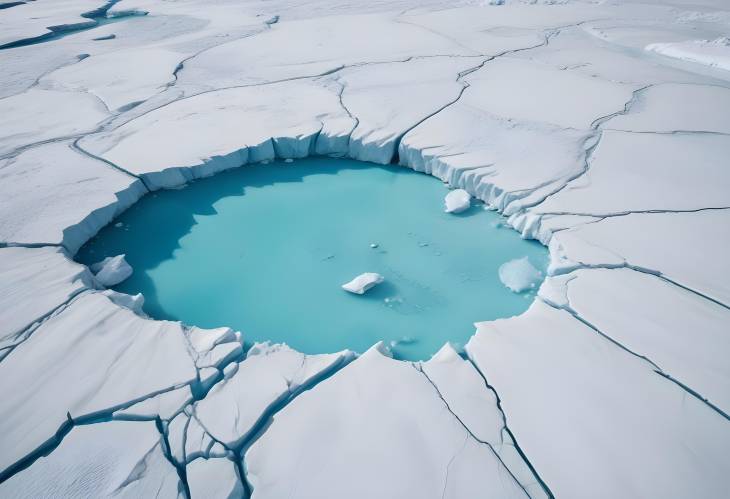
{"x": 265, "y": 248}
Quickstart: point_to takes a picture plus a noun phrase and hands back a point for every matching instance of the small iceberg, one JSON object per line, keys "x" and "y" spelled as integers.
{"x": 111, "y": 270}
{"x": 363, "y": 282}
{"x": 457, "y": 201}
{"x": 519, "y": 275}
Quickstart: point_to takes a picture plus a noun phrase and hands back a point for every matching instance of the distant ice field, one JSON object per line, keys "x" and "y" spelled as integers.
{"x": 266, "y": 248}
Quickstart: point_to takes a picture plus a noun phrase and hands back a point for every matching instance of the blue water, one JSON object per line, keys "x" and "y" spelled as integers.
{"x": 264, "y": 249}
{"x": 99, "y": 16}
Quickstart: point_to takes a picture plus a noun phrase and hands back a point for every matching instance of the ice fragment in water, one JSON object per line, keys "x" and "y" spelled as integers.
{"x": 519, "y": 275}
{"x": 457, "y": 201}
{"x": 112, "y": 270}
{"x": 363, "y": 282}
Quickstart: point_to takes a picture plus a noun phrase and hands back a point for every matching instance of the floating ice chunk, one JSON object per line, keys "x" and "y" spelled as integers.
{"x": 112, "y": 270}
{"x": 519, "y": 275}
{"x": 363, "y": 282}
{"x": 457, "y": 201}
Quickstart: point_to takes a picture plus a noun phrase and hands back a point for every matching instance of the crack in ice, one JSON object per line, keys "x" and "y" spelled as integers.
{"x": 655, "y": 367}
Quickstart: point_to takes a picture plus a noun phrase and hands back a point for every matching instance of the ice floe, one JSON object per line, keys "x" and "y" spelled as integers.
{"x": 248, "y": 124}
{"x": 279, "y": 371}
{"x": 39, "y": 115}
{"x": 687, "y": 340}
{"x": 285, "y": 52}
{"x": 360, "y": 284}
{"x": 97, "y": 357}
{"x": 35, "y": 283}
{"x": 360, "y": 410}
{"x": 111, "y": 270}
{"x": 651, "y": 171}
{"x": 32, "y": 212}
{"x": 31, "y": 21}
{"x": 519, "y": 275}
{"x": 214, "y": 479}
{"x": 116, "y": 459}
{"x": 659, "y": 243}
{"x": 585, "y": 389}
{"x": 673, "y": 107}
{"x": 457, "y": 201}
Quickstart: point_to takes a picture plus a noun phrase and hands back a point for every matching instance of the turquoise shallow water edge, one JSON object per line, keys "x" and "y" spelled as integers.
{"x": 265, "y": 248}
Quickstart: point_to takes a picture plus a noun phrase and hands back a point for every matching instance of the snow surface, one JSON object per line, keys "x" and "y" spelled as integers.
{"x": 565, "y": 384}
{"x": 601, "y": 129}
{"x": 278, "y": 371}
{"x": 714, "y": 53}
{"x": 214, "y": 479}
{"x": 119, "y": 459}
{"x": 31, "y": 210}
{"x": 35, "y": 282}
{"x": 688, "y": 341}
{"x": 354, "y": 415}
{"x": 32, "y": 20}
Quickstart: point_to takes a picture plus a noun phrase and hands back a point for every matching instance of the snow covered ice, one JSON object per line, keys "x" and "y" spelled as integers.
{"x": 714, "y": 53}
{"x": 599, "y": 129}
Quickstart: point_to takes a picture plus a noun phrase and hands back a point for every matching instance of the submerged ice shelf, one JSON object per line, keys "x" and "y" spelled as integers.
{"x": 265, "y": 249}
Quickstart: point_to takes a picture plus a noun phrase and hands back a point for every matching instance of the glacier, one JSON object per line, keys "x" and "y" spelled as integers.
{"x": 600, "y": 129}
